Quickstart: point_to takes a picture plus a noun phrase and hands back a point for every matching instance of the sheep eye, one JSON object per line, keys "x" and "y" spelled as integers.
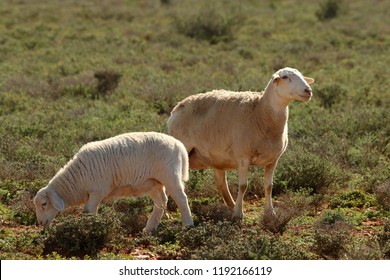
{"x": 284, "y": 77}
{"x": 44, "y": 204}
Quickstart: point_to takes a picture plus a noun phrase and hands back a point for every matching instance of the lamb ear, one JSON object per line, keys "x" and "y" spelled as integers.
{"x": 309, "y": 80}
{"x": 57, "y": 201}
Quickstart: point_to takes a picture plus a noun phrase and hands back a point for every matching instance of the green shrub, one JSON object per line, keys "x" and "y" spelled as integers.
{"x": 224, "y": 240}
{"x": 331, "y": 95}
{"x": 382, "y": 195}
{"x": 351, "y": 199}
{"x": 290, "y": 206}
{"x": 199, "y": 236}
{"x": 83, "y": 235}
{"x": 132, "y": 213}
{"x": 299, "y": 169}
{"x": 167, "y": 231}
{"x": 213, "y": 241}
{"x": 108, "y": 81}
{"x": 210, "y": 210}
{"x": 23, "y": 209}
{"x": 27, "y": 242}
{"x": 384, "y": 240}
{"x": 329, "y": 9}
{"x": 262, "y": 247}
{"x": 85, "y": 91}
{"x": 364, "y": 249}
{"x": 331, "y": 233}
{"x": 14, "y": 191}
{"x": 208, "y": 24}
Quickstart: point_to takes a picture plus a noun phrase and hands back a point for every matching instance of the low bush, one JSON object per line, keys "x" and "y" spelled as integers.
{"x": 331, "y": 232}
{"x": 384, "y": 240}
{"x": 299, "y": 169}
{"x": 167, "y": 231}
{"x": 81, "y": 236}
{"x": 27, "y": 242}
{"x": 208, "y": 24}
{"x": 329, "y": 9}
{"x": 364, "y": 249}
{"x": 211, "y": 210}
{"x": 352, "y": 199}
{"x": 225, "y": 240}
{"x": 382, "y": 195}
{"x": 132, "y": 213}
{"x": 331, "y": 95}
{"x": 108, "y": 81}
{"x": 290, "y": 206}
{"x": 213, "y": 241}
{"x": 23, "y": 209}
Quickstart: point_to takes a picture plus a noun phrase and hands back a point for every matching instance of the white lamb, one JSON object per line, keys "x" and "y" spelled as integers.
{"x": 228, "y": 130}
{"x": 128, "y": 164}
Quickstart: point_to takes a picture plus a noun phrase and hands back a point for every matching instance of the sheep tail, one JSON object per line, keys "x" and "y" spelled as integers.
{"x": 185, "y": 166}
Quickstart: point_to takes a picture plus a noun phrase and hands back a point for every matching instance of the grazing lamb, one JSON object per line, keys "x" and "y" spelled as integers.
{"x": 228, "y": 130}
{"x": 128, "y": 164}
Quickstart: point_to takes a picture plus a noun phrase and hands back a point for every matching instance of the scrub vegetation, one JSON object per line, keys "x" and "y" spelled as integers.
{"x": 72, "y": 72}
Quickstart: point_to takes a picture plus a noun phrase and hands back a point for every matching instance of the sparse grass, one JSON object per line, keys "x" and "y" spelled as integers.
{"x": 64, "y": 82}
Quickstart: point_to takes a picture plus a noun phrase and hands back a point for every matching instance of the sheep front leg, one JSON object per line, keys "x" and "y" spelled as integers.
{"x": 222, "y": 185}
{"x": 243, "y": 168}
{"x": 160, "y": 201}
{"x": 268, "y": 175}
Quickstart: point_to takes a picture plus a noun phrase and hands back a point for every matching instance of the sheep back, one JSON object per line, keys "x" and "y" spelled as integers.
{"x": 123, "y": 160}
{"x": 224, "y": 126}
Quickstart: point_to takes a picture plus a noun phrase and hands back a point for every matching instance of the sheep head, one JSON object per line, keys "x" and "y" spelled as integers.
{"x": 291, "y": 85}
{"x": 47, "y": 205}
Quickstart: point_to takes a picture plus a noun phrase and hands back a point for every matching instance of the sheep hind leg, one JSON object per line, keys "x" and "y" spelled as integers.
{"x": 160, "y": 201}
{"x": 243, "y": 168}
{"x": 176, "y": 191}
{"x": 195, "y": 160}
{"x": 222, "y": 185}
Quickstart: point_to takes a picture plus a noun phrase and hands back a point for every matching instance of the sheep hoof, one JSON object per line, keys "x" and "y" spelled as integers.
{"x": 238, "y": 218}
{"x": 148, "y": 231}
{"x": 271, "y": 213}
{"x": 187, "y": 227}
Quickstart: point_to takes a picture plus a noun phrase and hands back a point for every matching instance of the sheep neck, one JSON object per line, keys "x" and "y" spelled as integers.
{"x": 274, "y": 109}
{"x": 67, "y": 188}
{"x": 278, "y": 104}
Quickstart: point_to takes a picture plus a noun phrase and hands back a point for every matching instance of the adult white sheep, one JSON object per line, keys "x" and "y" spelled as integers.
{"x": 128, "y": 164}
{"x": 228, "y": 130}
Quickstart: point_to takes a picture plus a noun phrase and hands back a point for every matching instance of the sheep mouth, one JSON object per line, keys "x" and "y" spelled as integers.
{"x": 307, "y": 94}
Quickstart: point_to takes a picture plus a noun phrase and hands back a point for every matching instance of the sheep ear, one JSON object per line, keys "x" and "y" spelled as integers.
{"x": 309, "y": 80}
{"x": 57, "y": 201}
{"x": 276, "y": 78}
